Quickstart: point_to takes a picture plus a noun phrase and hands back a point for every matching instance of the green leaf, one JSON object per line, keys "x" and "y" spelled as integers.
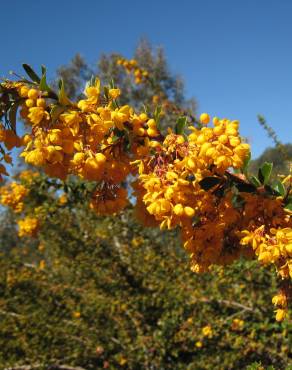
{"x": 56, "y": 111}
{"x": 112, "y": 84}
{"x": 13, "y": 114}
{"x": 63, "y": 99}
{"x": 255, "y": 181}
{"x": 106, "y": 92}
{"x": 180, "y": 125}
{"x": 31, "y": 73}
{"x": 115, "y": 138}
{"x": 289, "y": 206}
{"x": 157, "y": 114}
{"x": 265, "y": 172}
{"x": 43, "y": 82}
{"x": 279, "y": 187}
{"x": 246, "y": 164}
{"x": 245, "y": 188}
{"x": 209, "y": 182}
{"x": 270, "y": 190}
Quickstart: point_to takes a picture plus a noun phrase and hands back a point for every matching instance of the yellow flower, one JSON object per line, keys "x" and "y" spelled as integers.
{"x": 237, "y": 325}
{"x": 28, "y": 226}
{"x": 123, "y": 361}
{"x": 204, "y": 118}
{"x": 37, "y": 114}
{"x": 281, "y": 314}
{"x": 207, "y": 331}
{"x": 114, "y": 93}
{"x": 63, "y": 199}
{"x": 93, "y": 91}
{"x": 76, "y": 315}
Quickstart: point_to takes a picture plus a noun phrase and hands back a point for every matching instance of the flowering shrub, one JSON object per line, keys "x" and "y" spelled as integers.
{"x": 196, "y": 180}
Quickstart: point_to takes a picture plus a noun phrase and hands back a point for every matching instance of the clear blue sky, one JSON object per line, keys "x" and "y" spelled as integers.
{"x": 235, "y": 56}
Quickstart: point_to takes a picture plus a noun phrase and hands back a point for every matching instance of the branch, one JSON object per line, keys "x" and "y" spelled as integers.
{"x": 13, "y": 314}
{"x": 51, "y": 367}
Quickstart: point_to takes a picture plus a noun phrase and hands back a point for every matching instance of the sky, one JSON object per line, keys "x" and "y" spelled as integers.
{"x": 235, "y": 56}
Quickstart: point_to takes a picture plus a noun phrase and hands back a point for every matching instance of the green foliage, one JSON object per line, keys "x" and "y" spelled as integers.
{"x": 106, "y": 292}
{"x": 279, "y": 158}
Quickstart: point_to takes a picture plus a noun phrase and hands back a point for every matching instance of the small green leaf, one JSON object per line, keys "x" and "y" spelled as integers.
{"x": 31, "y": 73}
{"x": 43, "y": 82}
{"x": 289, "y": 206}
{"x": 112, "y": 84}
{"x": 246, "y": 164}
{"x": 106, "y": 92}
{"x": 265, "y": 172}
{"x": 157, "y": 114}
{"x": 209, "y": 182}
{"x": 255, "y": 181}
{"x": 56, "y": 111}
{"x": 279, "y": 187}
{"x": 13, "y": 114}
{"x": 180, "y": 125}
{"x": 270, "y": 190}
{"x": 63, "y": 99}
{"x": 115, "y": 138}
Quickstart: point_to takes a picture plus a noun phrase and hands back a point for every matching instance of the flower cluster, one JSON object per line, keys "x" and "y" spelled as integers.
{"x": 171, "y": 192}
{"x": 274, "y": 246}
{"x": 10, "y": 140}
{"x": 109, "y": 199}
{"x": 28, "y": 226}
{"x": 131, "y": 66}
{"x": 180, "y": 181}
{"x": 87, "y": 138}
{"x": 12, "y": 195}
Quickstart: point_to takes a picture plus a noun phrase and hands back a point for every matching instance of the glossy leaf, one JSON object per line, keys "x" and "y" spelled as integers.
{"x": 265, "y": 172}
{"x": 279, "y": 187}
{"x": 31, "y": 73}
{"x": 209, "y": 182}
{"x": 255, "y": 181}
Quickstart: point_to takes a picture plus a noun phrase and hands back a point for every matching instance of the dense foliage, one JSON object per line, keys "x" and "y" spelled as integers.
{"x": 108, "y": 293}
